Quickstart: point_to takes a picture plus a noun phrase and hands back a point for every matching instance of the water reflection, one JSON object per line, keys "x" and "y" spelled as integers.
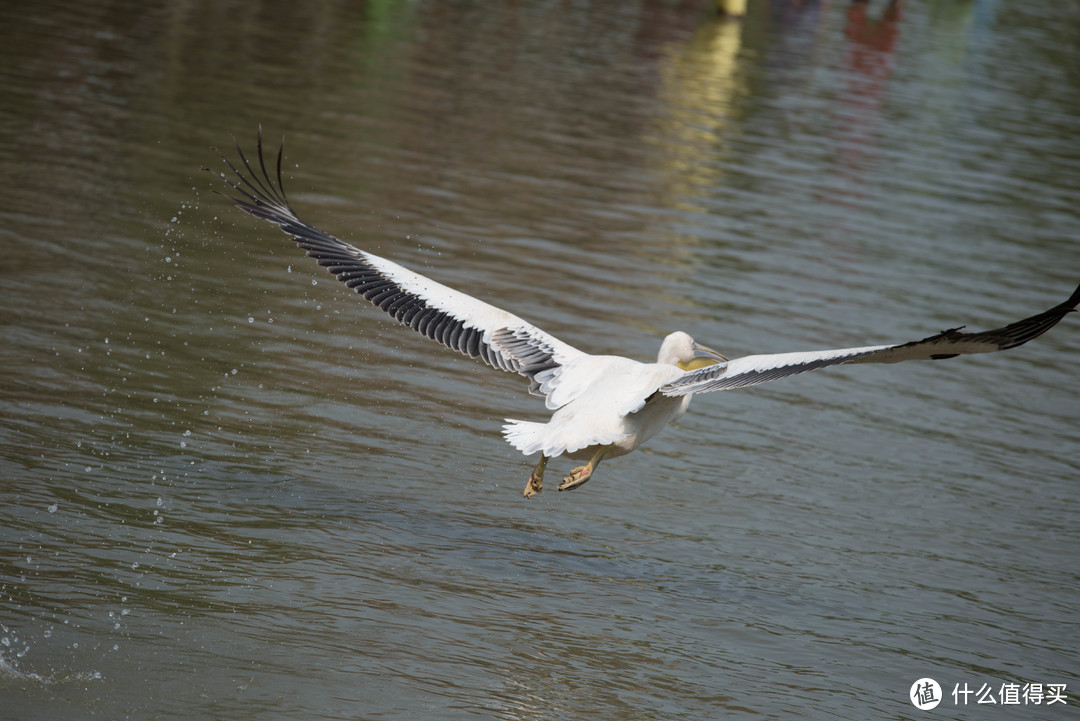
{"x": 868, "y": 64}
{"x": 702, "y": 89}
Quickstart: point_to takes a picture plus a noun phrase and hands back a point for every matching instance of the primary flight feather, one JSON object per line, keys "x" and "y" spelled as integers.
{"x": 603, "y": 406}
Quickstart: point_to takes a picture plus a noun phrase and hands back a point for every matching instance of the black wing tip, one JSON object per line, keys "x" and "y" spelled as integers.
{"x": 1074, "y": 299}
{"x": 1018, "y": 333}
{"x": 257, "y": 191}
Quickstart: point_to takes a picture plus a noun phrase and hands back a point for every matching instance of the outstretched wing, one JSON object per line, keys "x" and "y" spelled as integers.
{"x": 755, "y": 369}
{"x": 458, "y": 321}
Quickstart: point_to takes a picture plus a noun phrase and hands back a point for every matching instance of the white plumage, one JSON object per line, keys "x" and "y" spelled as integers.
{"x": 620, "y": 386}
{"x": 603, "y": 406}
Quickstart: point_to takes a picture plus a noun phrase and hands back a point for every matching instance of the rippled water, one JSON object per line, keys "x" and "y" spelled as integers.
{"x": 232, "y": 491}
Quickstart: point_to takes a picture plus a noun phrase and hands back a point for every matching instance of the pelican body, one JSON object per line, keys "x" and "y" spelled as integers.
{"x": 602, "y": 406}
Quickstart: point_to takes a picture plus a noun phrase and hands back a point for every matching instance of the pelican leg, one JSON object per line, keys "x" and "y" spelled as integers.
{"x": 536, "y": 478}
{"x": 583, "y": 473}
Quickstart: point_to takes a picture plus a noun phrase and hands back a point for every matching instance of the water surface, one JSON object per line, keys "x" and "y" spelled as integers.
{"x": 233, "y": 491}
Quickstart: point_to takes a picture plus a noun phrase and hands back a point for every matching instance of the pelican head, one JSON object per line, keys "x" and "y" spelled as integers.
{"x": 679, "y": 349}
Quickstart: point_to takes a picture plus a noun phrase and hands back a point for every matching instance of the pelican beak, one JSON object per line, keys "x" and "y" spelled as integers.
{"x": 703, "y": 356}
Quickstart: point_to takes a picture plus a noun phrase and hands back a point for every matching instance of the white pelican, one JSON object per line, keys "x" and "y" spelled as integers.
{"x": 603, "y": 406}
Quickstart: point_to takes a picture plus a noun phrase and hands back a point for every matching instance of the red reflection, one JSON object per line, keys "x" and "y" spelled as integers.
{"x": 869, "y": 63}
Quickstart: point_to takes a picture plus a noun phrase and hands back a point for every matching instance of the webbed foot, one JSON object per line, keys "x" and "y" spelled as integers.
{"x": 583, "y": 473}
{"x": 536, "y": 479}
{"x": 577, "y": 477}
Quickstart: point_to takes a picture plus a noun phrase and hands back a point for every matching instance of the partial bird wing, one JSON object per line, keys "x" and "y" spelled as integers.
{"x": 458, "y": 321}
{"x": 755, "y": 369}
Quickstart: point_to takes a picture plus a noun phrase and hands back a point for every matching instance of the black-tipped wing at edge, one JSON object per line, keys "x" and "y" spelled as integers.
{"x": 755, "y": 369}
{"x": 454, "y": 319}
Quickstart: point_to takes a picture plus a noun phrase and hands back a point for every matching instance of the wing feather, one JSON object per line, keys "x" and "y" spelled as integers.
{"x": 755, "y": 369}
{"x": 454, "y": 319}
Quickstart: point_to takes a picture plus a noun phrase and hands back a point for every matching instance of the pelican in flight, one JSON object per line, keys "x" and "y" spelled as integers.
{"x": 602, "y": 406}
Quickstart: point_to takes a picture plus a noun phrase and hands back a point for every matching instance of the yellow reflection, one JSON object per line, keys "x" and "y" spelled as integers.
{"x": 731, "y": 8}
{"x": 701, "y": 88}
